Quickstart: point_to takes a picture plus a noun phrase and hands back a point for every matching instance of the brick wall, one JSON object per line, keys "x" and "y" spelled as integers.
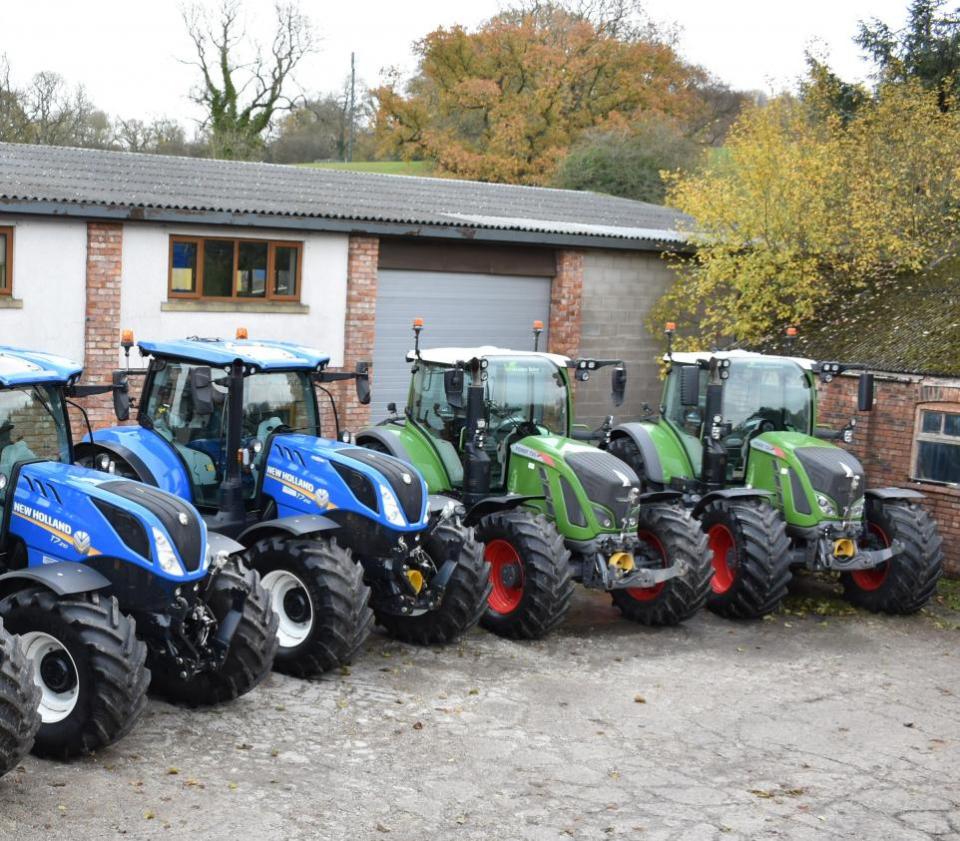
{"x": 359, "y": 327}
{"x": 884, "y": 438}
{"x": 566, "y": 301}
{"x": 618, "y": 290}
{"x": 104, "y": 261}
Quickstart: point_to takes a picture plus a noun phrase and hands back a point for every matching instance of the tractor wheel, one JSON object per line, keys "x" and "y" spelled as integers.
{"x": 251, "y": 651}
{"x": 316, "y": 590}
{"x": 19, "y": 702}
{"x": 88, "y": 664}
{"x": 464, "y": 600}
{"x": 627, "y": 451}
{"x": 749, "y": 548}
{"x": 530, "y": 574}
{"x": 906, "y": 582}
{"x": 668, "y": 534}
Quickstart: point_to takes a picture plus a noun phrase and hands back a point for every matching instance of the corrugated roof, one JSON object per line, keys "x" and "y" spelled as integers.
{"x": 58, "y": 175}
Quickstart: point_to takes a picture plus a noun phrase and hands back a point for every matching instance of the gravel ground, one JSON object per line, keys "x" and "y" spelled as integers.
{"x": 796, "y": 727}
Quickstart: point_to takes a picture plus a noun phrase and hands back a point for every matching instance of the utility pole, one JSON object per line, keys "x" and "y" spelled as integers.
{"x": 353, "y": 88}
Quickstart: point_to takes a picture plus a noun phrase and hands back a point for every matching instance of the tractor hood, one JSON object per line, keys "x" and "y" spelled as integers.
{"x": 830, "y": 470}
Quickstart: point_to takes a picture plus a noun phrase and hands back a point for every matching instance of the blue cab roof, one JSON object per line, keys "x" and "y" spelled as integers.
{"x": 27, "y": 367}
{"x": 265, "y": 354}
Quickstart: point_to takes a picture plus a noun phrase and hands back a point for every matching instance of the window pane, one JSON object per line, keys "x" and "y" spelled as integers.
{"x": 285, "y": 267}
{"x": 932, "y": 421}
{"x": 183, "y": 272}
{"x": 252, "y": 270}
{"x": 951, "y": 424}
{"x": 939, "y": 462}
{"x": 217, "y": 268}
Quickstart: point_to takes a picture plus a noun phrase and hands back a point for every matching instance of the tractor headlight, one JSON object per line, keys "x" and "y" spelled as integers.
{"x": 856, "y": 510}
{"x": 391, "y": 508}
{"x": 166, "y": 557}
{"x": 826, "y": 505}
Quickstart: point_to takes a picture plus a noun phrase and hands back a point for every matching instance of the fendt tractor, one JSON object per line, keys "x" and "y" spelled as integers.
{"x": 234, "y": 427}
{"x": 737, "y": 434}
{"x": 494, "y": 428}
{"x": 106, "y": 580}
{"x": 19, "y": 703}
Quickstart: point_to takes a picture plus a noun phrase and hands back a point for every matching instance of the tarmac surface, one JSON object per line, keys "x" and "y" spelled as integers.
{"x": 797, "y": 727}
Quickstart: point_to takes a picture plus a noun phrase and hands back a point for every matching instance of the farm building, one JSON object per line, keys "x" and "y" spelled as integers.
{"x": 92, "y": 242}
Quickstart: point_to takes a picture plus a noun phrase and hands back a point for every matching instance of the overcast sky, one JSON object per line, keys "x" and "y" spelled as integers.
{"x": 126, "y": 51}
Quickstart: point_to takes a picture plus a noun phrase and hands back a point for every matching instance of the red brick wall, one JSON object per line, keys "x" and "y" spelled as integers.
{"x": 883, "y": 441}
{"x": 566, "y": 297}
{"x": 359, "y": 327}
{"x": 101, "y": 343}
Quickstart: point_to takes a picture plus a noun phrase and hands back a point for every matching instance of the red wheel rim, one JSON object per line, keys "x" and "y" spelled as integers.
{"x": 872, "y": 579}
{"x": 648, "y": 594}
{"x": 504, "y": 563}
{"x": 722, "y": 543}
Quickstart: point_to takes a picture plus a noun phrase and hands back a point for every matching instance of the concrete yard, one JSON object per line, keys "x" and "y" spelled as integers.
{"x": 795, "y": 727}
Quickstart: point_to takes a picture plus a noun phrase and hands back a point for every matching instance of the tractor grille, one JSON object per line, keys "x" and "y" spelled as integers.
{"x": 826, "y": 468}
{"x": 409, "y": 493}
{"x": 605, "y": 478}
{"x": 187, "y": 539}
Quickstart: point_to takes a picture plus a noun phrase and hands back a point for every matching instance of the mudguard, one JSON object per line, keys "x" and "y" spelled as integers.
{"x": 220, "y": 544}
{"x": 296, "y": 526}
{"x": 65, "y": 579}
{"x": 660, "y": 496}
{"x": 640, "y": 436}
{"x": 892, "y": 493}
{"x": 390, "y": 441}
{"x": 496, "y": 503}
{"x": 157, "y": 457}
{"x": 116, "y": 451}
{"x": 729, "y": 493}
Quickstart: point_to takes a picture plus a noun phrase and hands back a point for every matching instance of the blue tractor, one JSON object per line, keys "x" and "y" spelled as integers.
{"x": 339, "y": 534}
{"x": 107, "y": 581}
{"x": 19, "y": 703}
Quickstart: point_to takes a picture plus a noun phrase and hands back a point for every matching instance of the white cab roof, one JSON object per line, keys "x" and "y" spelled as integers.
{"x": 702, "y": 356}
{"x": 453, "y": 355}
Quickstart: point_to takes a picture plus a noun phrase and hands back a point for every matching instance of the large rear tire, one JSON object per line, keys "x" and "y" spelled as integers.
{"x": 19, "y": 700}
{"x": 464, "y": 600}
{"x": 906, "y": 582}
{"x": 668, "y": 534}
{"x": 530, "y": 574}
{"x": 252, "y": 649}
{"x": 749, "y": 551}
{"x": 317, "y": 591}
{"x": 88, "y": 663}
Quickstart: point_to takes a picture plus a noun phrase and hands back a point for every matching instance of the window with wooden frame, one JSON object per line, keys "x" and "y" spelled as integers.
{"x": 219, "y": 269}
{"x": 937, "y": 445}
{"x": 6, "y": 261}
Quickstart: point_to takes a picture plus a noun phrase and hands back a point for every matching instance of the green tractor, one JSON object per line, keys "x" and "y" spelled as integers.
{"x": 737, "y": 435}
{"x": 493, "y": 428}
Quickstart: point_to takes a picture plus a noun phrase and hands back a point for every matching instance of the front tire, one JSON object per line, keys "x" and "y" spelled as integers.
{"x": 252, "y": 649}
{"x": 749, "y": 551}
{"x": 530, "y": 574}
{"x": 905, "y": 583}
{"x": 88, "y": 663}
{"x": 317, "y": 591}
{"x": 464, "y": 600}
{"x": 19, "y": 702}
{"x": 668, "y": 534}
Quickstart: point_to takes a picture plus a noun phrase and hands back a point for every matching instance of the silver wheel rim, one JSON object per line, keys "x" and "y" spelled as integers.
{"x": 54, "y": 706}
{"x": 279, "y": 583}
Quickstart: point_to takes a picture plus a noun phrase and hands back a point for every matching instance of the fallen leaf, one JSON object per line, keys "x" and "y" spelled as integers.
{"x": 639, "y": 699}
{"x": 418, "y": 725}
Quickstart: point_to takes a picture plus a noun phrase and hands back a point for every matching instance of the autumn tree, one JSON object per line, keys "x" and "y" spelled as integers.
{"x": 504, "y": 102}
{"x": 802, "y": 213}
{"x": 243, "y": 86}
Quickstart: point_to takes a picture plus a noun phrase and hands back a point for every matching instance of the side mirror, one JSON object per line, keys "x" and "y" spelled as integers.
{"x": 689, "y": 385}
{"x": 453, "y": 387}
{"x": 865, "y": 392}
{"x": 201, "y": 390}
{"x": 363, "y": 383}
{"x": 121, "y": 396}
{"x": 618, "y": 384}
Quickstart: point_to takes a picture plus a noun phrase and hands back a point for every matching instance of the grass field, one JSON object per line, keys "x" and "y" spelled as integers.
{"x": 384, "y": 167}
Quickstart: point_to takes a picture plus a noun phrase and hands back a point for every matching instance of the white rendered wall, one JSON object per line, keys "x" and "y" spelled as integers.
{"x": 146, "y": 250}
{"x": 49, "y": 277}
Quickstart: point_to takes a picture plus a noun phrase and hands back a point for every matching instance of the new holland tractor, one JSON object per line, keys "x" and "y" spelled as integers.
{"x": 738, "y": 435}
{"x": 494, "y": 428}
{"x": 334, "y": 530}
{"x": 19, "y": 703}
{"x": 106, "y": 580}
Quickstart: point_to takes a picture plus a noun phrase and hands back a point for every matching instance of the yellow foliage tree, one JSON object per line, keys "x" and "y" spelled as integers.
{"x": 801, "y": 212}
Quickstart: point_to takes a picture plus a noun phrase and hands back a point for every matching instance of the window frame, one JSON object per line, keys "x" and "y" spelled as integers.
{"x": 943, "y": 408}
{"x": 7, "y": 291}
{"x": 272, "y": 245}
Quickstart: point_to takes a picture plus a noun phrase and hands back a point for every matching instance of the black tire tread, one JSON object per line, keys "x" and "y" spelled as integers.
{"x": 19, "y": 697}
